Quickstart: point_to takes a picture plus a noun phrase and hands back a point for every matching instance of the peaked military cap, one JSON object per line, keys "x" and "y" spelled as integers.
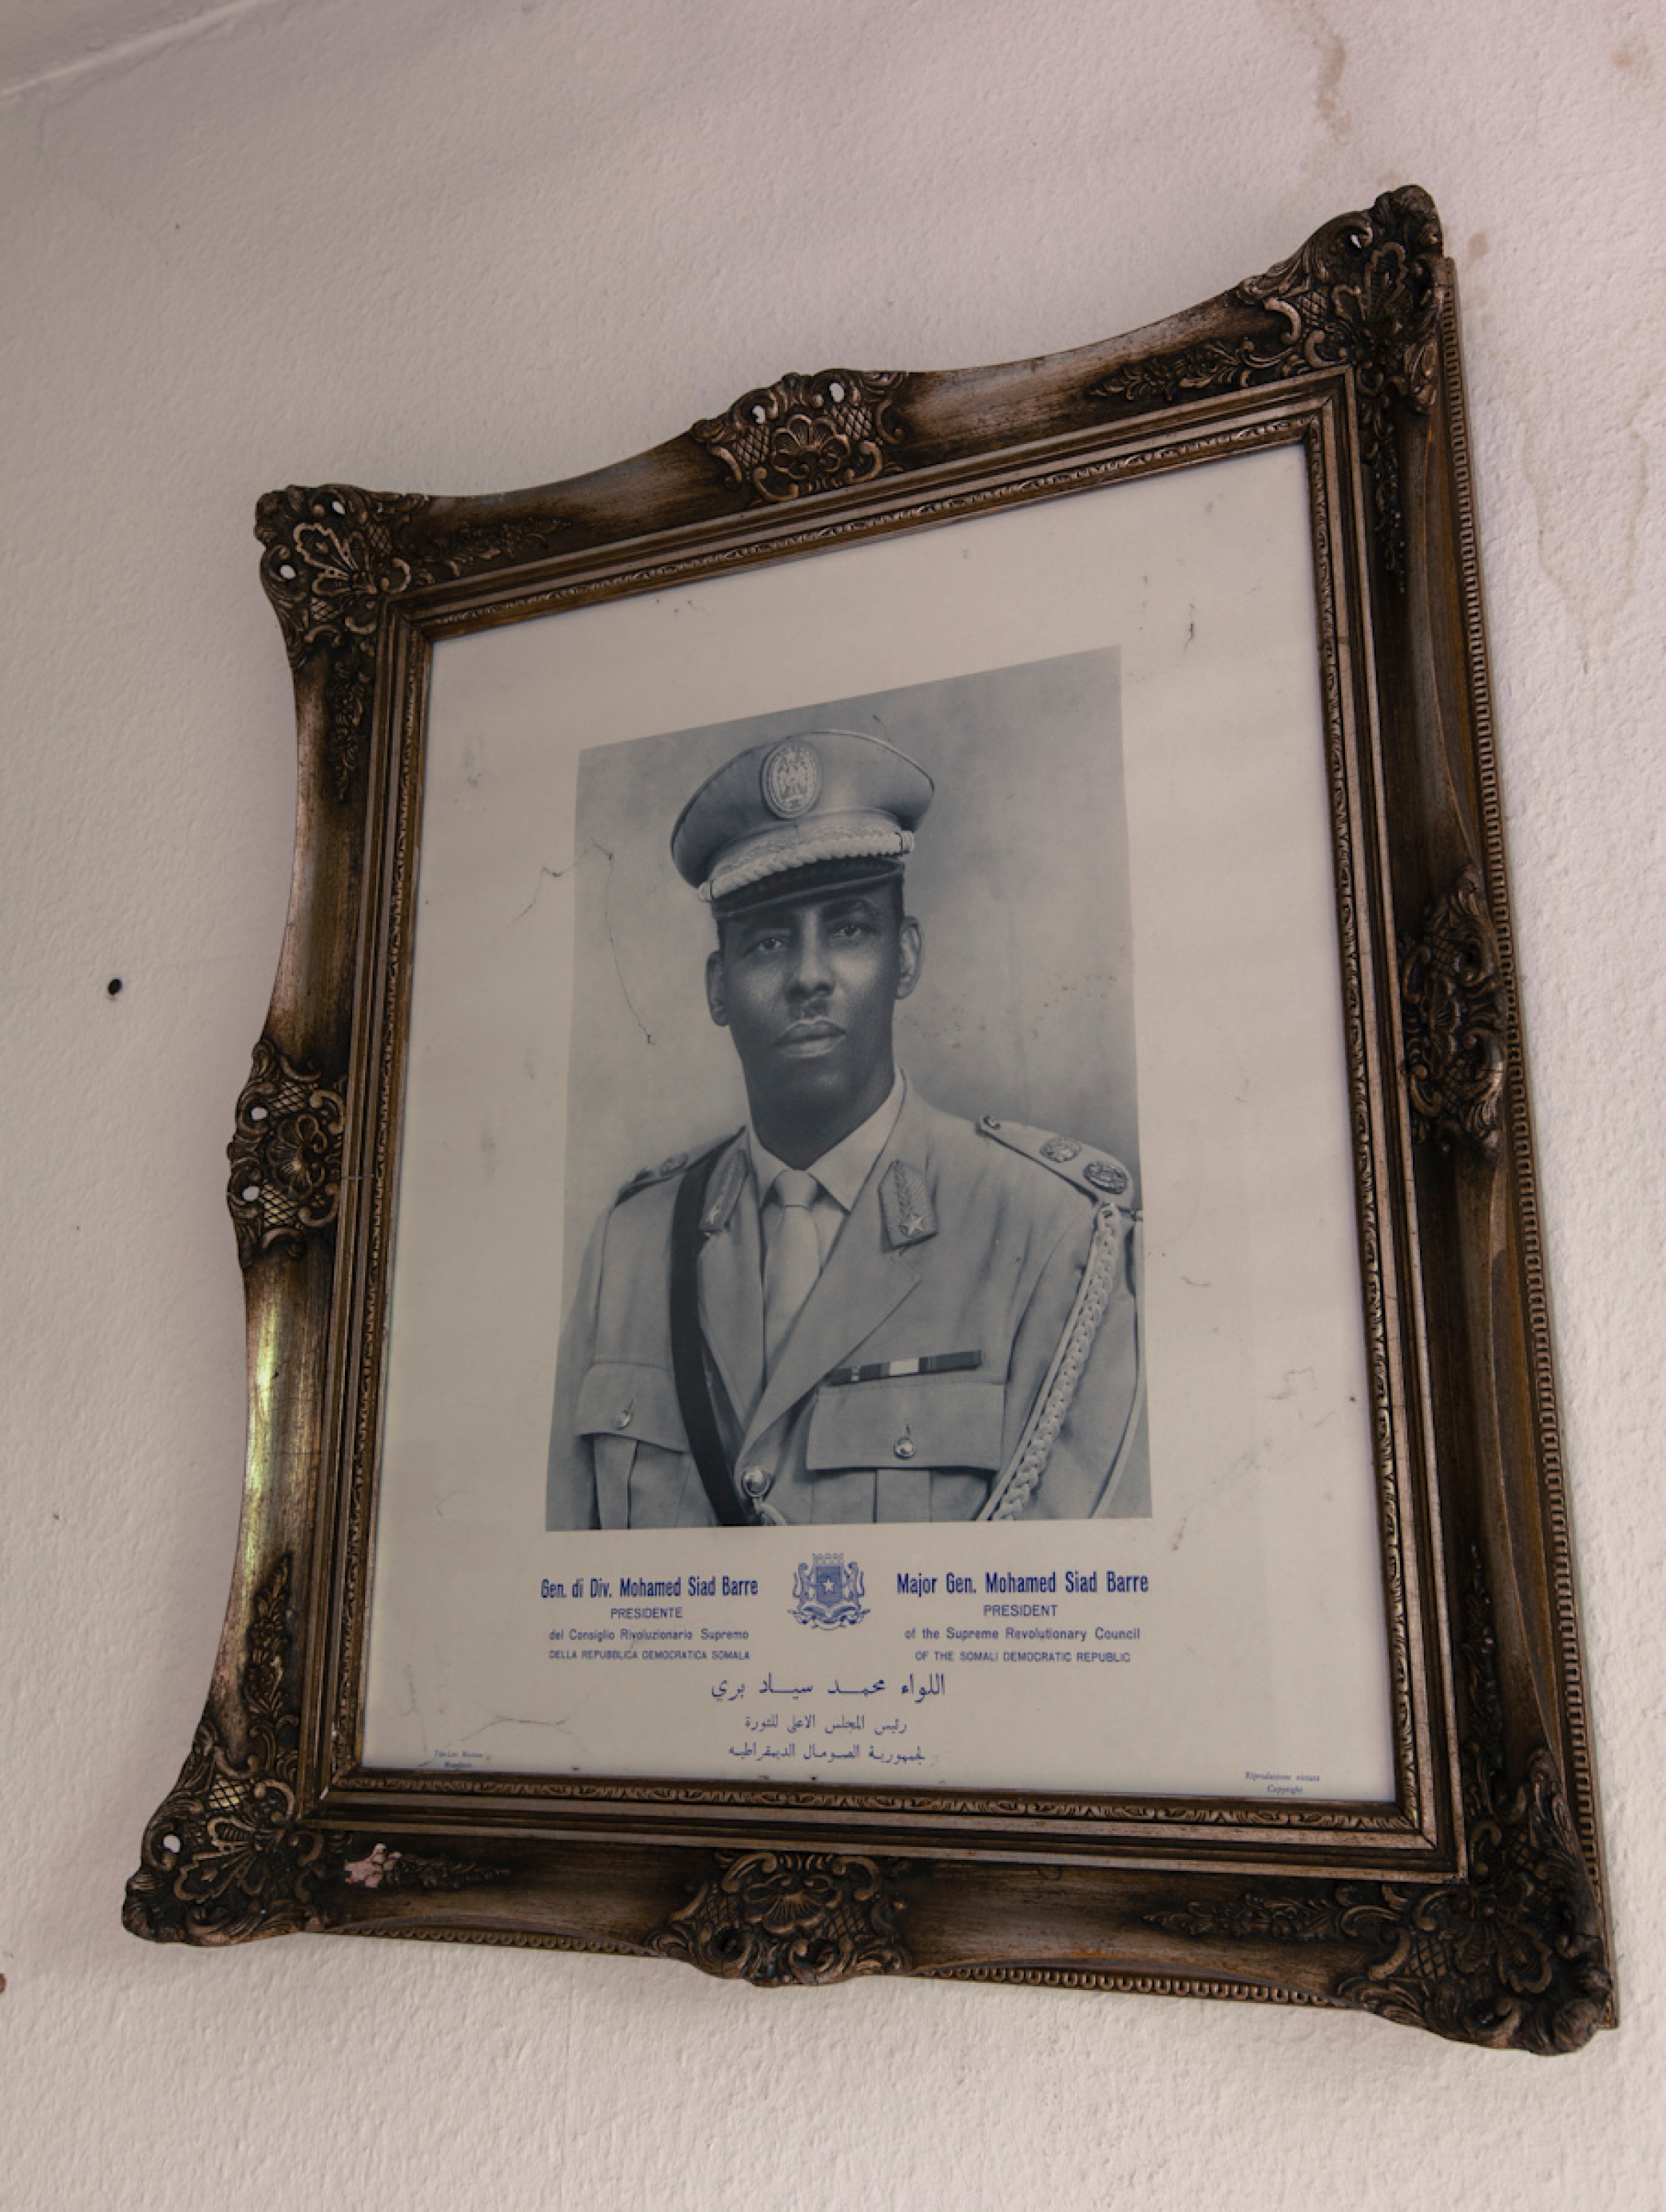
{"x": 835, "y": 801}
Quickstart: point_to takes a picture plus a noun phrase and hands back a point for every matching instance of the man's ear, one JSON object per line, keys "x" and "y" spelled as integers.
{"x": 910, "y": 951}
{"x": 717, "y": 990}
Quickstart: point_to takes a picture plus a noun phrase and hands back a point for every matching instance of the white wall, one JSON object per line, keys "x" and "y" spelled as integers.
{"x": 423, "y": 245}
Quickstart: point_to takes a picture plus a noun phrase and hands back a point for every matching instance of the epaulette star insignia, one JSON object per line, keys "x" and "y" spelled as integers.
{"x": 905, "y": 1205}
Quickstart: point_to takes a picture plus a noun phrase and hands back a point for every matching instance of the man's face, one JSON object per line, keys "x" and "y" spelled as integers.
{"x": 806, "y": 987}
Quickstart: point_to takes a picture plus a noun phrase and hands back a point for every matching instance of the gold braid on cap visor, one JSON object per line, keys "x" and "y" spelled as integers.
{"x": 779, "y": 858}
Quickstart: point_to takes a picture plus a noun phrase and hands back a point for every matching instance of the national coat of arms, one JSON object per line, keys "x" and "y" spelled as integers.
{"x": 792, "y": 778}
{"x": 828, "y": 1592}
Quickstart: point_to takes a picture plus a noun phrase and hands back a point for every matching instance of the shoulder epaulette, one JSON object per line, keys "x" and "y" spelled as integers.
{"x": 644, "y": 1178}
{"x": 1099, "y": 1174}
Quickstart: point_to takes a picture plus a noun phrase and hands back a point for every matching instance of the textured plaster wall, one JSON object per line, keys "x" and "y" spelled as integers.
{"x": 425, "y": 245}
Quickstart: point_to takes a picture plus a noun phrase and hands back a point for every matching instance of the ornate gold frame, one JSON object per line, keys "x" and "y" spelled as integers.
{"x": 1472, "y": 1905}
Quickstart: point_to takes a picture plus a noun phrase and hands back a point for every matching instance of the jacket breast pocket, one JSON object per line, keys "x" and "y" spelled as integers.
{"x": 639, "y": 1446}
{"x": 917, "y": 1422}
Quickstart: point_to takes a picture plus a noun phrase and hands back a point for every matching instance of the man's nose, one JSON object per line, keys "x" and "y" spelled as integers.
{"x": 811, "y": 971}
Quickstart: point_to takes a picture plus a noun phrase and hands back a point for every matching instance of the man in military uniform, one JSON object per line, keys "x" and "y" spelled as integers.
{"x": 856, "y": 1307}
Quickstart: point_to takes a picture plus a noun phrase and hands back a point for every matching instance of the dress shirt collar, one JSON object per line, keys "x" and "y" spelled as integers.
{"x": 843, "y": 1171}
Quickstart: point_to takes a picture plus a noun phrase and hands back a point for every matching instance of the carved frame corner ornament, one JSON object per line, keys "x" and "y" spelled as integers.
{"x": 1364, "y": 294}
{"x": 286, "y": 1156}
{"x": 1512, "y": 1957}
{"x": 336, "y": 558}
{"x": 227, "y": 1856}
{"x": 1468, "y": 1897}
{"x": 804, "y": 435}
{"x": 789, "y": 1918}
{"x": 1455, "y": 1017}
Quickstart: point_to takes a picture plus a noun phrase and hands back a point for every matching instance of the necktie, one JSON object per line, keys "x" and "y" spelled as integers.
{"x": 793, "y": 1257}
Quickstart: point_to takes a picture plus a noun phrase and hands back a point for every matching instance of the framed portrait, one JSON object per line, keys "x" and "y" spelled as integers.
{"x": 896, "y": 1311}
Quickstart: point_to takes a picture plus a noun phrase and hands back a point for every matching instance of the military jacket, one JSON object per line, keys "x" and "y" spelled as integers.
{"x": 969, "y": 1349}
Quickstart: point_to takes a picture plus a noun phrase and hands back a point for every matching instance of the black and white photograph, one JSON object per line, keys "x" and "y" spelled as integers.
{"x": 904, "y": 1287}
{"x": 876, "y": 1141}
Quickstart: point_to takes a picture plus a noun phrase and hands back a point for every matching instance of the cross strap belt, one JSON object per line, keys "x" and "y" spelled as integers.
{"x": 688, "y": 1352}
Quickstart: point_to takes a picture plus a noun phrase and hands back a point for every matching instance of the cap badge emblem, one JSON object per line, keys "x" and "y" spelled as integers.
{"x": 792, "y": 778}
